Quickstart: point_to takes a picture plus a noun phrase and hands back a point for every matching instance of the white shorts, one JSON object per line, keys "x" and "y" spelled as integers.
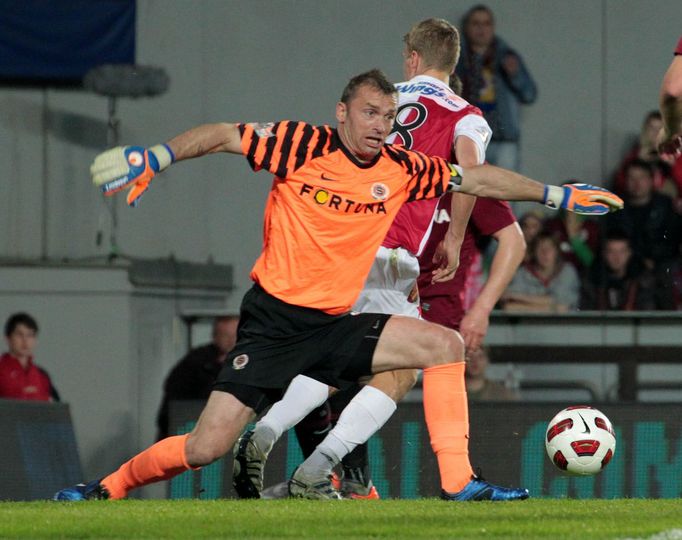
{"x": 389, "y": 283}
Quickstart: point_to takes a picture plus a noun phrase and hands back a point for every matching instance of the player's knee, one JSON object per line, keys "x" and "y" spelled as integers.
{"x": 407, "y": 378}
{"x": 395, "y": 384}
{"x": 200, "y": 452}
{"x": 447, "y": 346}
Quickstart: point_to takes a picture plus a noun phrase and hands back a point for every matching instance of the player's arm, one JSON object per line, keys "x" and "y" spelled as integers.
{"x": 206, "y": 139}
{"x": 508, "y": 256}
{"x": 502, "y": 184}
{"x": 447, "y": 251}
{"x": 670, "y": 101}
{"x": 134, "y": 166}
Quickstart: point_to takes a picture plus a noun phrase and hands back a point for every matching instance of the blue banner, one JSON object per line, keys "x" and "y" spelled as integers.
{"x": 45, "y": 41}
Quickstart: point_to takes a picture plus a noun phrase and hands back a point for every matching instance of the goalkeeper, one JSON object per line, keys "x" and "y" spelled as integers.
{"x": 333, "y": 198}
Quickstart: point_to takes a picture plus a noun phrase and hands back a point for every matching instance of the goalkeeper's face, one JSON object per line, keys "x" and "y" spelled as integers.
{"x": 366, "y": 120}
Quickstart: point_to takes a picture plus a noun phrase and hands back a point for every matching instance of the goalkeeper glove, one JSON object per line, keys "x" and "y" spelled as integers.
{"x": 582, "y": 199}
{"x": 130, "y": 166}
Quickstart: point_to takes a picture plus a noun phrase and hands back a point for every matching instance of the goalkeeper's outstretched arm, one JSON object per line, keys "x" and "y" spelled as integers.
{"x": 206, "y": 139}
{"x": 497, "y": 183}
{"x": 134, "y": 166}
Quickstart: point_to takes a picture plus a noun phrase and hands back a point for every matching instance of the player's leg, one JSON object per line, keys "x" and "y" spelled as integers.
{"x": 312, "y": 430}
{"x": 409, "y": 343}
{"x": 445, "y": 404}
{"x": 221, "y": 422}
{"x": 363, "y": 416}
{"x": 355, "y": 481}
{"x": 448, "y": 425}
{"x": 435, "y": 348}
{"x": 386, "y": 290}
{"x": 252, "y": 449}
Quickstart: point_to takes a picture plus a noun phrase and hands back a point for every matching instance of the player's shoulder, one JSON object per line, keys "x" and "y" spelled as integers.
{"x": 281, "y": 127}
{"x": 410, "y": 161}
{"x": 431, "y": 90}
{"x": 398, "y": 152}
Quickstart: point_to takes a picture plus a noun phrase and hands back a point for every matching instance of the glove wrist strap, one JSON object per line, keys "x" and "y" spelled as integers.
{"x": 554, "y": 197}
{"x": 163, "y": 154}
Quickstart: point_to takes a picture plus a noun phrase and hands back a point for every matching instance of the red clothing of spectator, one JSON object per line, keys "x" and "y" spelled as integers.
{"x": 661, "y": 170}
{"x": 32, "y": 383}
{"x": 664, "y": 173}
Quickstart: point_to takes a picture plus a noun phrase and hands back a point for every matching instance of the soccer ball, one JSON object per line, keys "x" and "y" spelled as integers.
{"x": 580, "y": 440}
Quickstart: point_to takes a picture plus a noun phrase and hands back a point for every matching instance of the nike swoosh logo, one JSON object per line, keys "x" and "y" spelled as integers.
{"x": 587, "y": 429}
{"x": 325, "y": 177}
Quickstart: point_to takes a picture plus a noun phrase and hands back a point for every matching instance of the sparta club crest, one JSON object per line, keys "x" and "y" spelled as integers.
{"x": 135, "y": 159}
{"x": 379, "y": 191}
{"x": 240, "y": 361}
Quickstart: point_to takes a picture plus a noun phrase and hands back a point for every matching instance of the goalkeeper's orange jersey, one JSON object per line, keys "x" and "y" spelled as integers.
{"x": 327, "y": 212}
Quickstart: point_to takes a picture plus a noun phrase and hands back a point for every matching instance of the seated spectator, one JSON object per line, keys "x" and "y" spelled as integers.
{"x": 531, "y": 223}
{"x": 193, "y": 376}
{"x": 479, "y": 387}
{"x": 20, "y": 377}
{"x": 648, "y": 219}
{"x": 619, "y": 282}
{"x": 578, "y": 238}
{"x": 546, "y": 283}
{"x": 667, "y": 173}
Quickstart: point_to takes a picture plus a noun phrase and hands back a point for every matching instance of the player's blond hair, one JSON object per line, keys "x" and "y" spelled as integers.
{"x": 436, "y": 41}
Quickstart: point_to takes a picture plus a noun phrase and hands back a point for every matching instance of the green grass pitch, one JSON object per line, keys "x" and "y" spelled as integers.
{"x": 426, "y": 518}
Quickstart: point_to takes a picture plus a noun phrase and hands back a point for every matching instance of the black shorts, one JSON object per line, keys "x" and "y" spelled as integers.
{"x": 277, "y": 341}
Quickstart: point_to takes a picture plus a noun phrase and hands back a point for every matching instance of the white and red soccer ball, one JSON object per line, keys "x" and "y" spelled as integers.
{"x": 580, "y": 440}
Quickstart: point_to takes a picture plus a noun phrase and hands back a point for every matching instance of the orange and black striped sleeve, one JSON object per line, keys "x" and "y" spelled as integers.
{"x": 282, "y": 147}
{"x": 430, "y": 176}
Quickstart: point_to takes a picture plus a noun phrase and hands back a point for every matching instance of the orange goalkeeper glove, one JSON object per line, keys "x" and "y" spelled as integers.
{"x": 130, "y": 166}
{"x": 582, "y": 199}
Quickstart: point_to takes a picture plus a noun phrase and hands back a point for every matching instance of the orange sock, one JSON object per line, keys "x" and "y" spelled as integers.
{"x": 447, "y": 416}
{"x": 161, "y": 461}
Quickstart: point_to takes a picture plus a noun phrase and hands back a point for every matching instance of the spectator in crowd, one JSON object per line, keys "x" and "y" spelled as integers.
{"x": 532, "y": 223}
{"x": 479, "y": 386}
{"x": 20, "y": 377}
{"x": 495, "y": 79}
{"x": 546, "y": 283}
{"x": 648, "y": 218}
{"x": 619, "y": 282}
{"x": 193, "y": 376}
{"x": 667, "y": 173}
{"x": 578, "y": 238}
